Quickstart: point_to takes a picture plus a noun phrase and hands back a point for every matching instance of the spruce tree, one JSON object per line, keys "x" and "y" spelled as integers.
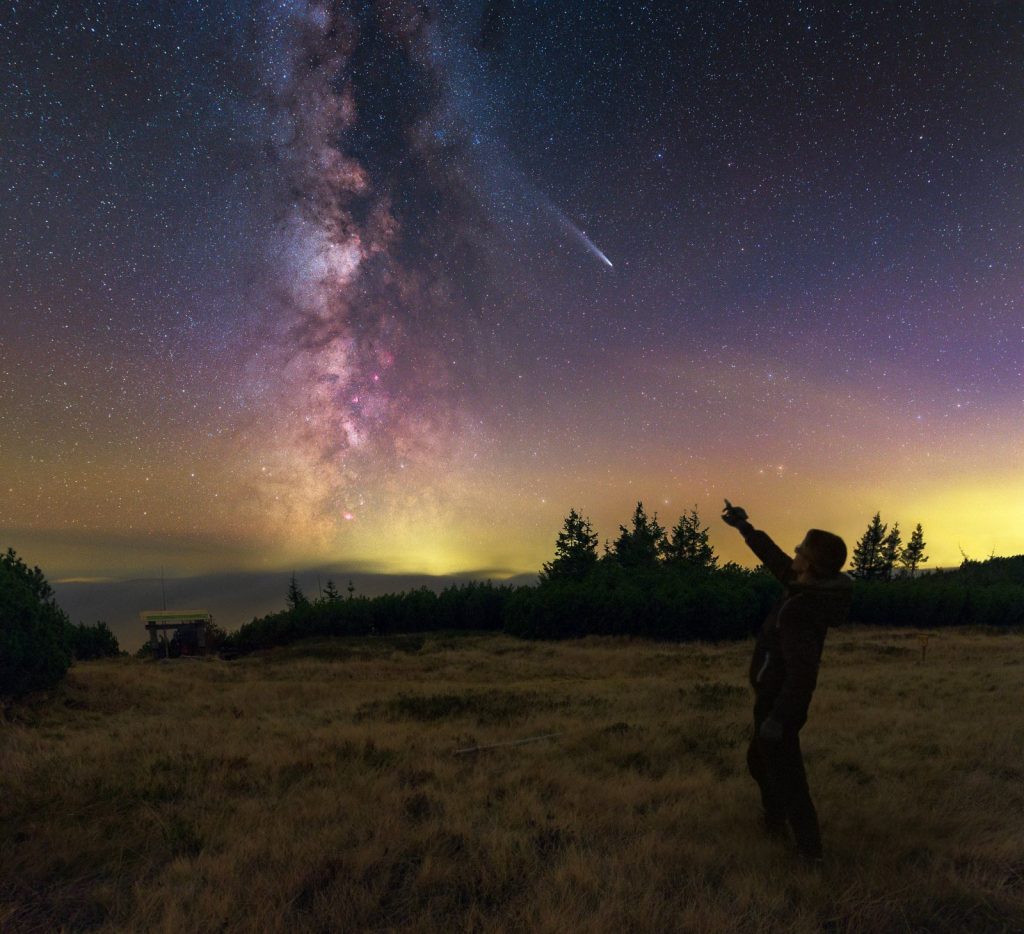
{"x": 295, "y": 598}
{"x": 575, "y": 550}
{"x": 331, "y": 593}
{"x": 890, "y": 552}
{"x": 867, "y": 563}
{"x": 688, "y": 545}
{"x": 642, "y": 545}
{"x": 913, "y": 554}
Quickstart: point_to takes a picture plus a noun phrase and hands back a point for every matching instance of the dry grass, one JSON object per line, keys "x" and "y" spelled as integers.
{"x": 314, "y": 789}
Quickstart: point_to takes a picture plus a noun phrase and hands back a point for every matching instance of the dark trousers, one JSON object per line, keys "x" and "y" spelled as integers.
{"x": 778, "y": 769}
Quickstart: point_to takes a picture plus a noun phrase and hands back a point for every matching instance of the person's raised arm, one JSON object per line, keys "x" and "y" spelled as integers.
{"x": 771, "y": 555}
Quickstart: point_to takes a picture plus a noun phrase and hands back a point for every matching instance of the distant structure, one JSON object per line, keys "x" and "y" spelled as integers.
{"x": 189, "y": 630}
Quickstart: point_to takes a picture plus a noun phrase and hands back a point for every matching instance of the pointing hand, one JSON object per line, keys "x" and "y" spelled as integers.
{"x": 733, "y": 515}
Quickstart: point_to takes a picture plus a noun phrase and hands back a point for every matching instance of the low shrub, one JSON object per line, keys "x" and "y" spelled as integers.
{"x": 950, "y": 599}
{"x": 95, "y": 641}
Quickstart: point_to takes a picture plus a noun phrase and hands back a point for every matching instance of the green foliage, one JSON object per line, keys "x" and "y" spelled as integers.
{"x": 215, "y": 636}
{"x": 940, "y": 599}
{"x": 472, "y": 606}
{"x": 688, "y": 545}
{"x": 96, "y": 641}
{"x": 35, "y": 633}
{"x": 641, "y": 545}
{"x": 881, "y": 556}
{"x": 689, "y": 604}
{"x": 331, "y": 593}
{"x": 992, "y": 571}
{"x": 912, "y": 556}
{"x": 868, "y": 562}
{"x": 575, "y": 551}
{"x": 295, "y": 599}
{"x": 890, "y": 552}
{"x": 987, "y": 593}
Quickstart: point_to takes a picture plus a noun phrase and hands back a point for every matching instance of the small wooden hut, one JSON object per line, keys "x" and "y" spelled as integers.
{"x": 189, "y": 628}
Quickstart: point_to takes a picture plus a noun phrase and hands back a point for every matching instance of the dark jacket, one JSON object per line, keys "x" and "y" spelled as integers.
{"x": 784, "y": 669}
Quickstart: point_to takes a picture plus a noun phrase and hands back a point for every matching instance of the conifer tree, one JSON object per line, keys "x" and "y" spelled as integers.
{"x": 575, "y": 550}
{"x": 890, "y": 551}
{"x": 331, "y": 593}
{"x": 688, "y": 545}
{"x": 913, "y": 555}
{"x": 642, "y": 545}
{"x": 867, "y": 563}
{"x": 295, "y": 598}
{"x": 35, "y": 633}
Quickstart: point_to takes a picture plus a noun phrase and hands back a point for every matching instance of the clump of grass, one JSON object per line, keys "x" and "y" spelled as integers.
{"x": 716, "y": 695}
{"x": 486, "y": 707}
{"x": 877, "y": 648}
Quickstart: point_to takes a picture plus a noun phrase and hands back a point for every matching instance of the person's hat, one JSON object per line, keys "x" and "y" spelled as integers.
{"x": 825, "y": 551}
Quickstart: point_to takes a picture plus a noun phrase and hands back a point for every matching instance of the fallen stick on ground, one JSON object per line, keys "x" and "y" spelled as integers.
{"x": 513, "y": 742}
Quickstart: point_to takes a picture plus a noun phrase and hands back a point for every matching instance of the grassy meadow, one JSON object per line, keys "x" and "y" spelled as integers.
{"x": 316, "y": 788}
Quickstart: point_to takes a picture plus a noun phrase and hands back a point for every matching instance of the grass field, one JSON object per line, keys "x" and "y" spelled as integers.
{"x": 315, "y": 788}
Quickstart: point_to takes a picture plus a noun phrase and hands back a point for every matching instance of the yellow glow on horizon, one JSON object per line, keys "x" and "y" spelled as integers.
{"x": 984, "y": 518}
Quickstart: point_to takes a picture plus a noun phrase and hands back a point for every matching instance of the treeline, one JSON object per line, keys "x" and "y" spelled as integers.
{"x": 658, "y": 582}
{"x": 726, "y": 605}
{"x": 943, "y": 598}
{"x": 468, "y": 606}
{"x": 889, "y": 591}
{"x": 650, "y": 581}
{"x": 37, "y": 640}
{"x": 880, "y": 554}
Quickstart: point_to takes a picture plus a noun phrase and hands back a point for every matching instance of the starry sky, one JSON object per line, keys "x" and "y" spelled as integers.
{"x": 391, "y": 286}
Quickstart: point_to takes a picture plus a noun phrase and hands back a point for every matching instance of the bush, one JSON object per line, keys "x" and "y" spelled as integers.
{"x": 471, "y": 606}
{"x": 35, "y": 633}
{"x": 949, "y": 599}
{"x": 660, "y": 603}
{"x": 93, "y": 641}
{"x": 215, "y": 636}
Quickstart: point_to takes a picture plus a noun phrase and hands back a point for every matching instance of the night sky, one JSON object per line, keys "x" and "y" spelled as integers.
{"x": 392, "y": 286}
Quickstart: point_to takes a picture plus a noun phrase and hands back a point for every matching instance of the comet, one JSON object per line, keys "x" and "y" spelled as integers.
{"x": 580, "y": 235}
{"x": 593, "y": 248}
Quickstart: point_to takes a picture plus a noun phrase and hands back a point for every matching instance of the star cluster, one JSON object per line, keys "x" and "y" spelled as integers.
{"x": 323, "y": 281}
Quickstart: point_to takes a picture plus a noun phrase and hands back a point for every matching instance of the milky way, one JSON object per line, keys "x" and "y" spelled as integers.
{"x": 331, "y": 282}
{"x": 351, "y": 373}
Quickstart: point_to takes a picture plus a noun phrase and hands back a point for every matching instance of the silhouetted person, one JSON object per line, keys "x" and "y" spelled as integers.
{"x": 784, "y": 671}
